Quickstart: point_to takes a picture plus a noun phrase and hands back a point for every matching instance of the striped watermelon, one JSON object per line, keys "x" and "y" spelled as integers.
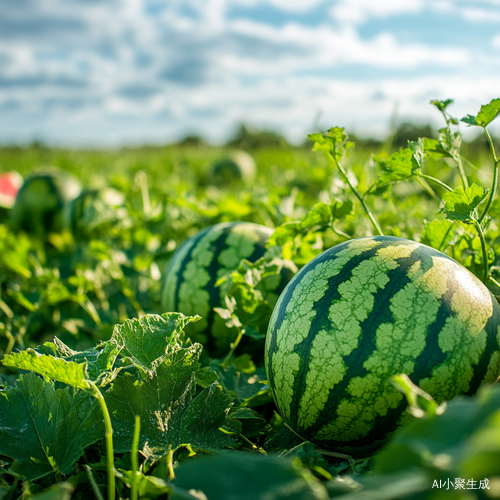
{"x": 189, "y": 283}
{"x": 238, "y": 166}
{"x": 41, "y": 200}
{"x": 366, "y": 310}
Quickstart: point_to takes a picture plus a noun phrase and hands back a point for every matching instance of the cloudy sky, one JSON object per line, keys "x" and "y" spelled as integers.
{"x": 111, "y": 72}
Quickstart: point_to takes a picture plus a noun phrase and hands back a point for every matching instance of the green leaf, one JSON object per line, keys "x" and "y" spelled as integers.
{"x": 437, "y": 233}
{"x": 60, "y": 491}
{"x": 143, "y": 341}
{"x": 420, "y": 403}
{"x": 171, "y": 415}
{"x": 44, "y": 429}
{"x": 319, "y": 215}
{"x": 462, "y": 442}
{"x": 341, "y": 209}
{"x": 68, "y": 372}
{"x": 334, "y": 140}
{"x": 461, "y": 205}
{"x": 247, "y": 477}
{"x": 99, "y": 360}
{"x": 486, "y": 115}
{"x": 400, "y": 165}
{"x": 442, "y": 104}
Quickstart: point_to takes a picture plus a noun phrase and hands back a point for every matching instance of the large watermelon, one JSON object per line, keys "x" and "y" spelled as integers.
{"x": 366, "y": 310}
{"x": 189, "y": 283}
{"x": 41, "y": 200}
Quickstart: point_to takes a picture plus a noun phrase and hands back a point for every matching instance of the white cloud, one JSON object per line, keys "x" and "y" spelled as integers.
{"x": 359, "y": 11}
{"x": 109, "y": 71}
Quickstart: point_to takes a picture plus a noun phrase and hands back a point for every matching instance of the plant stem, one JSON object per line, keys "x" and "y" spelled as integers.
{"x": 358, "y": 196}
{"x": 461, "y": 171}
{"x": 108, "y": 438}
{"x": 134, "y": 459}
{"x": 340, "y": 233}
{"x": 95, "y": 487}
{"x": 437, "y": 181}
{"x": 428, "y": 189}
{"x": 234, "y": 345}
{"x": 495, "y": 176}
{"x": 445, "y": 236}
{"x": 170, "y": 465}
{"x": 484, "y": 250}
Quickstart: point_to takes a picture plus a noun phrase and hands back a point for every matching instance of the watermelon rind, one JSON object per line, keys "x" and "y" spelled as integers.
{"x": 366, "y": 310}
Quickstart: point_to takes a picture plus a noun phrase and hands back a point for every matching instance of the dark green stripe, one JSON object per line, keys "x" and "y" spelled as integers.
{"x": 373, "y": 440}
{"x": 285, "y": 299}
{"x": 491, "y": 347}
{"x": 322, "y": 322}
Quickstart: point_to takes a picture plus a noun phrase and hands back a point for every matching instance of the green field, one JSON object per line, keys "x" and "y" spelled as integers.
{"x": 81, "y": 306}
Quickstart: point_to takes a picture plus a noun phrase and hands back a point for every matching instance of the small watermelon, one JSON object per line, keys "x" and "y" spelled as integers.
{"x": 238, "y": 166}
{"x": 366, "y": 310}
{"x": 40, "y": 201}
{"x": 93, "y": 211}
{"x": 189, "y": 282}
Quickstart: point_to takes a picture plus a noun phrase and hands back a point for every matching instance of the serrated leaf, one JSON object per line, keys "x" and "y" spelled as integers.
{"x": 99, "y": 360}
{"x": 143, "y": 340}
{"x": 46, "y": 429}
{"x": 319, "y": 215}
{"x": 442, "y": 104}
{"x": 401, "y": 165}
{"x": 461, "y": 205}
{"x": 334, "y": 140}
{"x": 486, "y": 115}
{"x": 68, "y": 372}
{"x": 171, "y": 415}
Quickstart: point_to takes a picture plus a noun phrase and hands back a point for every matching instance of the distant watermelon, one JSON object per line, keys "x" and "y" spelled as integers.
{"x": 366, "y": 310}
{"x": 236, "y": 167}
{"x": 93, "y": 210}
{"x": 10, "y": 183}
{"x": 40, "y": 201}
{"x": 189, "y": 283}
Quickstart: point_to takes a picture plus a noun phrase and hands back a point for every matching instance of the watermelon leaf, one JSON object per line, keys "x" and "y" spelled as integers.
{"x": 399, "y": 166}
{"x": 142, "y": 341}
{"x": 44, "y": 429}
{"x": 442, "y": 104}
{"x": 486, "y": 115}
{"x": 461, "y": 205}
{"x": 171, "y": 414}
{"x": 68, "y": 372}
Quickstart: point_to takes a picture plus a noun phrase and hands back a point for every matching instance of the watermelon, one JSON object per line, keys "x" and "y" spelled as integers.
{"x": 189, "y": 281}
{"x": 41, "y": 200}
{"x": 238, "y": 166}
{"x": 93, "y": 211}
{"x": 366, "y": 310}
{"x": 10, "y": 183}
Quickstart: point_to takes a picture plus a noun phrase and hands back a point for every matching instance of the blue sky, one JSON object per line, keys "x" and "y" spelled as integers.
{"x": 114, "y": 72}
